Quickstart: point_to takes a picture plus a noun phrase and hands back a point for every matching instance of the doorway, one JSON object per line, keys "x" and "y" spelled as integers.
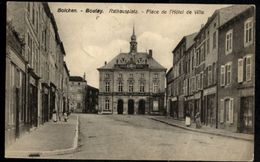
{"x": 130, "y": 106}
{"x": 120, "y": 106}
{"x": 141, "y": 107}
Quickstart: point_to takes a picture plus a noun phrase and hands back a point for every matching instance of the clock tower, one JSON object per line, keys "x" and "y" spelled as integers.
{"x": 133, "y": 43}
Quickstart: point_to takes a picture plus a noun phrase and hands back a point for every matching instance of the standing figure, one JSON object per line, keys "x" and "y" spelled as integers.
{"x": 54, "y": 116}
{"x": 187, "y": 119}
{"x": 197, "y": 117}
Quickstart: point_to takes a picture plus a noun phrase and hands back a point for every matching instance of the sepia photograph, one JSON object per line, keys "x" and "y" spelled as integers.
{"x": 130, "y": 81}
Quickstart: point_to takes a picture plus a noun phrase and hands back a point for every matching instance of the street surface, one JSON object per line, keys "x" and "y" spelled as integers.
{"x": 139, "y": 138}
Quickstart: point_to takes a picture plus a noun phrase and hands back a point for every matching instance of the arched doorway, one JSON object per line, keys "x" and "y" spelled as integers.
{"x": 130, "y": 106}
{"x": 141, "y": 107}
{"x": 120, "y": 107}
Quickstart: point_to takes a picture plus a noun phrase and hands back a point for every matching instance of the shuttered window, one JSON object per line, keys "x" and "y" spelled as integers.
{"x": 221, "y": 110}
{"x": 240, "y": 71}
{"x": 231, "y": 111}
{"x": 228, "y": 74}
{"x": 248, "y": 68}
{"x": 222, "y": 73}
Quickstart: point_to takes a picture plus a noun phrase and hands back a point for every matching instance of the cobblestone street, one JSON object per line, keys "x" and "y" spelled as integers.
{"x": 138, "y": 137}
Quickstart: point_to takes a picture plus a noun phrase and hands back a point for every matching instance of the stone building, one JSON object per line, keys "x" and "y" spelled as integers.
{"x": 65, "y": 87}
{"x": 192, "y": 82}
{"x": 77, "y": 92}
{"x": 236, "y": 87}
{"x": 16, "y": 112}
{"x": 132, "y": 83}
{"x": 91, "y": 101}
{"x": 177, "y": 83}
{"x": 43, "y": 54}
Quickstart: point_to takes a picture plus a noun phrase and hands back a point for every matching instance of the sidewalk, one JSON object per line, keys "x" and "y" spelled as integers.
{"x": 48, "y": 139}
{"x": 203, "y": 129}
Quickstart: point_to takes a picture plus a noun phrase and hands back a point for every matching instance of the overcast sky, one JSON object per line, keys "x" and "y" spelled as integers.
{"x": 90, "y": 39}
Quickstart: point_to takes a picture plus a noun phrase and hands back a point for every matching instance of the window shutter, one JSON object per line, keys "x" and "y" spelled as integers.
{"x": 221, "y": 110}
{"x": 240, "y": 71}
{"x": 222, "y": 78}
{"x": 231, "y": 110}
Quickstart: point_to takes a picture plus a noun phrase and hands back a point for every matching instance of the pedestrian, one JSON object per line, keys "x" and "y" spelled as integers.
{"x": 187, "y": 119}
{"x": 197, "y": 118}
{"x": 65, "y": 116}
{"x": 54, "y": 116}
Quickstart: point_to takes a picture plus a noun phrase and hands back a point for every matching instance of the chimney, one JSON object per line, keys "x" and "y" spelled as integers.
{"x": 105, "y": 63}
{"x": 150, "y": 53}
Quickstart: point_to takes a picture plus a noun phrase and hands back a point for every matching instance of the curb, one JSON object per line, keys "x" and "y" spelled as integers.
{"x": 201, "y": 131}
{"x": 48, "y": 153}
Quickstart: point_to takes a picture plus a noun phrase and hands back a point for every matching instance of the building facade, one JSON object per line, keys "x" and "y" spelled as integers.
{"x": 77, "y": 93}
{"x": 16, "y": 112}
{"x": 132, "y": 83}
{"x": 236, "y": 88}
{"x": 43, "y": 53}
{"x": 177, "y": 78}
{"x": 202, "y": 80}
{"x": 65, "y": 87}
{"x": 91, "y": 101}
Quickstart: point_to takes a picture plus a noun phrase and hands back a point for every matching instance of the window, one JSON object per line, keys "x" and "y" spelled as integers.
{"x": 131, "y": 75}
{"x": 107, "y": 104}
{"x": 208, "y": 50}
{"x": 106, "y": 75}
{"x": 120, "y": 75}
{"x": 221, "y": 110}
{"x": 78, "y": 83}
{"x": 214, "y": 40}
{"x": 240, "y": 71}
{"x": 120, "y": 87}
{"x": 229, "y": 41}
{"x": 214, "y": 73}
{"x": 229, "y": 110}
{"x": 226, "y": 110}
{"x": 244, "y": 69}
{"x": 107, "y": 86}
{"x": 222, "y": 75}
{"x": 248, "y": 32}
{"x": 155, "y": 87}
{"x": 156, "y": 75}
{"x": 142, "y": 75}
{"x": 198, "y": 82}
{"x": 209, "y": 76}
{"x": 141, "y": 87}
{"x": 131, "y": 86}
{"x": 201, "y": 80}
{"x": 228, "y": 73}
{"x": 248, "y": 68}
{"x": 184, "y": 86}
{"x": 155, "y": 106}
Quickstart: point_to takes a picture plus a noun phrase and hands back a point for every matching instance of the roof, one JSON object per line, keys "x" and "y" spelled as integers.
{"x": 225, "y": 14}
{"x": 247, "y": 9}
{"x": 189, "y": 41}
{"x": 169, "y": 71}
{"x": 139, "y": 58}
{"x": 66, "y": 68}
{"x": 91, "y": 87}
{"x": 76, "y": 79}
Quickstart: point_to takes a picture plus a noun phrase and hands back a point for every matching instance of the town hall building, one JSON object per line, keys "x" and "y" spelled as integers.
{"x": 132, "y": 83}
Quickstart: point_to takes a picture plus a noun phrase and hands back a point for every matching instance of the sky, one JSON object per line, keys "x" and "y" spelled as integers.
{"x": 90, "y": 39}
